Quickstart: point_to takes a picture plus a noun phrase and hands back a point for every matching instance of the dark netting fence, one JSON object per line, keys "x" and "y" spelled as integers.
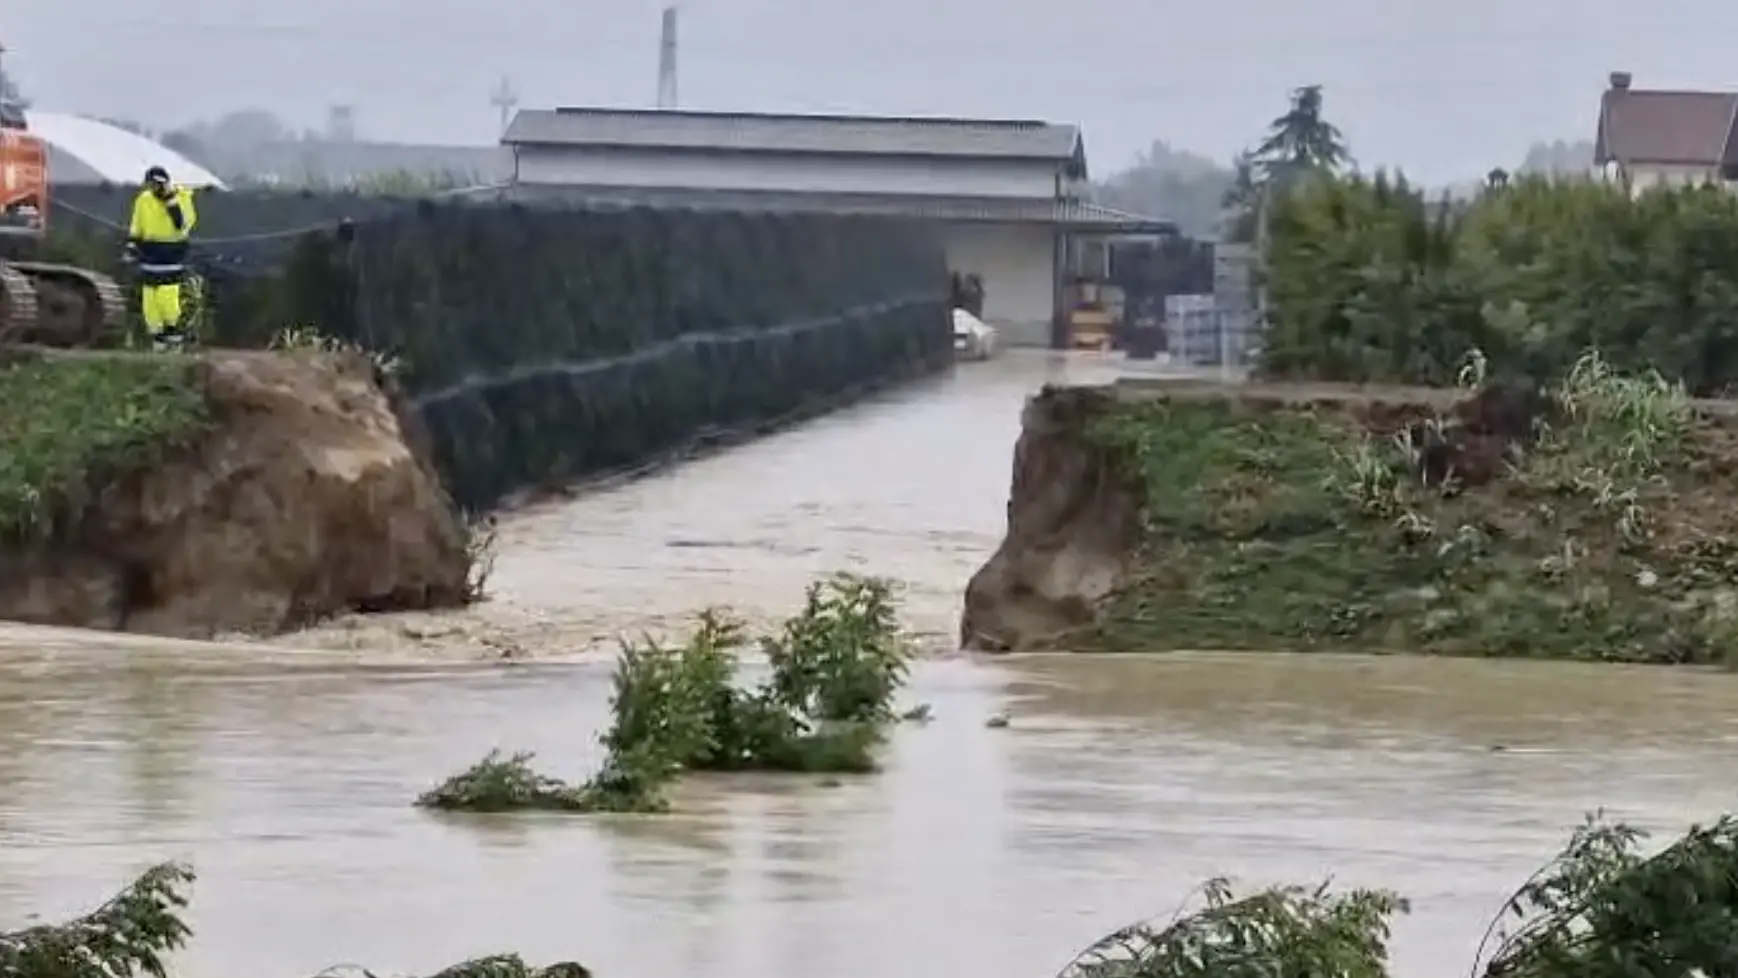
{"x": 542, "y": 342}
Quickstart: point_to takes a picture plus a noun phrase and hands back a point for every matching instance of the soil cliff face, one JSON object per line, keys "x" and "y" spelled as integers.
{"x": 297, "y": 498}
{"x": 1590, "y": 520}
{"x": 1073, "y": 520}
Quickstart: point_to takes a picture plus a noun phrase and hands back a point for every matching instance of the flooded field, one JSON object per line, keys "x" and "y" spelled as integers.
{"x": 286, "y": 775}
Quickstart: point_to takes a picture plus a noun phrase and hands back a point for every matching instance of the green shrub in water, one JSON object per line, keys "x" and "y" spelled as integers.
{"x": 498, "y": 784}
{"x": 1281, "y": 932}
{"x": 131, "y": 936}
{"x": 1600, "y": 909}
{"x": 842, "y": 659}
{"x": 835, "y": 669}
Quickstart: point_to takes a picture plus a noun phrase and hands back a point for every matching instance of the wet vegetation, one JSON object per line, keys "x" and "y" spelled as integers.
{"x": 1588, "y": 519}
{"x": 1288, "y": 931}
{"x": 133, "y": 934}
{"x": 835, "y": 669}
{"x": 69, "y": 417}
{"x": 506, "y": 784}
{"x": 1600, "y": 909}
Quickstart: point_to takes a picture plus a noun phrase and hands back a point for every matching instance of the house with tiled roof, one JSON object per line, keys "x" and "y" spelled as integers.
{"x": 1666, "y": 136}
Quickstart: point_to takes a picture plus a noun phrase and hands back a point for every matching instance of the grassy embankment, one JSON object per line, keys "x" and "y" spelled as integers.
{"x": 70, "y": 421}
{"x": 1611, "y": 533}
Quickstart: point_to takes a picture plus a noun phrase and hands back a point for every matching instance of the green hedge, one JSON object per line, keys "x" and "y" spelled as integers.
{"x": 1368, "y": 280}
{"x": 542, "y": 342}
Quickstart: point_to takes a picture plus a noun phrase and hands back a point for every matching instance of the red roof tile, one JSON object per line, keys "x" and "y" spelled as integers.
{"x": 1688, "y": 128}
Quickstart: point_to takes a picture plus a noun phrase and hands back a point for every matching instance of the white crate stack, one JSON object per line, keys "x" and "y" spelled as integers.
{"x": 1234, "y": 293}
{"x": 1192, "y": 328}
{"x": 1203, "y": 330}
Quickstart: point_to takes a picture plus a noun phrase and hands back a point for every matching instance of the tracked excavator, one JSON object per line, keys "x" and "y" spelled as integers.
{"x": 41, "y": 302}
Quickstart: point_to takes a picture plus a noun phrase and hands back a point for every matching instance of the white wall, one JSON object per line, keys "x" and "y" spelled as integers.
{"x": 1644, "y": 175}
{"x": 1015, "y": 262}
{"x": 573, "y": 165}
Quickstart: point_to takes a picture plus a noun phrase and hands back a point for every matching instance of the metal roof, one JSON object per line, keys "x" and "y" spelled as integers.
{"x": 1062, "y": 214}
{"x": 770, "y": 133}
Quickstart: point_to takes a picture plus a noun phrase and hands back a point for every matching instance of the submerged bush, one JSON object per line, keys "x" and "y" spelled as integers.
{"x": 1598, "y": 910}
{"x": 835, "y": 670}
{"x": 498, "y": 784}
{"x": 842, "y": 660}
{"x": 1287, "y": 931}
{"x": 131, "y": 936}
{"x": 1603, "y": 910}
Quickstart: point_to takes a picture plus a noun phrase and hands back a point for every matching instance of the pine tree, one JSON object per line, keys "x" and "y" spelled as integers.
{"x": 1301, "y": 141}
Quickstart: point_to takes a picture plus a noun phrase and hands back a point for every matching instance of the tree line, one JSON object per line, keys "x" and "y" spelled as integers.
{"x": 1214, "y": 199}
{"x": 1370, "y": 279}
{"x": 1209, "y": 200}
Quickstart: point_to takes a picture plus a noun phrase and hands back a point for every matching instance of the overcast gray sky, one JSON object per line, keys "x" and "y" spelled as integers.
{"x": 1447, "y": 90}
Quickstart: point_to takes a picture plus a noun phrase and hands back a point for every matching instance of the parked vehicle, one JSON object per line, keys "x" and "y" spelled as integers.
{"x": 973, "y": 339}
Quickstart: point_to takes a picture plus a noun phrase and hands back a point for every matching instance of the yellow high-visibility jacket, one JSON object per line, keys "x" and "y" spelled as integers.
{"x": 160, "y": 229}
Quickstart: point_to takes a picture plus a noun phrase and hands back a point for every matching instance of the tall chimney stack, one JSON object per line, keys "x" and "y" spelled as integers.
{"x": 1620, "y": 81}
{"x": 667, "y": 61}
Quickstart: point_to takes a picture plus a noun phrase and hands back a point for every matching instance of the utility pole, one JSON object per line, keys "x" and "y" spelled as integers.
{"x": 505, "y": 100}
{"x": 1258, "y": 269}
{"x": 667, "y": 61}
{"x": 12, "y": 103}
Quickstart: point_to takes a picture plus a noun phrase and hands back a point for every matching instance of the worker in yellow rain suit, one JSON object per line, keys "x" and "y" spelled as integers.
{"x": 157, "y": 239}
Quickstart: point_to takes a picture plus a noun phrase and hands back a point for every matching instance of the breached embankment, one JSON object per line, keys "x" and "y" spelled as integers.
{"x": 1150, "y": 517}
{"x": 234, "y": 491}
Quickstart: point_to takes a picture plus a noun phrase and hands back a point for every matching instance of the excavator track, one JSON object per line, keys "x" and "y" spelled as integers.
{"x": 18, "y": 309}
{"x": 75, "y": 307}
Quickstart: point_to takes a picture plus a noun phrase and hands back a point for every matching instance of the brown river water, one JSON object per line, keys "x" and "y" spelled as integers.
{"x": 285, "y": 772}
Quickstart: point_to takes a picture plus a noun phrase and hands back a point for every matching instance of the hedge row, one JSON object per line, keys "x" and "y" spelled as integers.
{"x": 1368, "y": 280}
{"x": 544, "y": 342}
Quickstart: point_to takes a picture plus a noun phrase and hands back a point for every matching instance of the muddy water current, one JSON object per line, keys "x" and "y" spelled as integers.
{"x": 284, "y": 773}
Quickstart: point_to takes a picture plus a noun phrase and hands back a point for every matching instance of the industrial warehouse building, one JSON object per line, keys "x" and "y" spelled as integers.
{"x": 1009, "y": 197}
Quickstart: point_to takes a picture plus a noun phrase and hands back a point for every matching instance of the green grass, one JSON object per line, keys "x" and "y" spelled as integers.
{"x": 1300, "y": 528}
{"x": 66, "y": 420}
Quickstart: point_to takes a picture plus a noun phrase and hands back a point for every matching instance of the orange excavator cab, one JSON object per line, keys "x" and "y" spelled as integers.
{"x": 23, "y": 181}
{"x": 57, "y": 305}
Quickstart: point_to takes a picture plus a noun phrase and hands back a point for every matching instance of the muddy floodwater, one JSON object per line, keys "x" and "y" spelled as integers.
{"x": 285, "y": 774}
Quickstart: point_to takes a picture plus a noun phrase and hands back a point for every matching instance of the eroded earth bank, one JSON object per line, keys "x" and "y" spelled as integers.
{"x": 1589, "y": 520}
{"x": 230, "y": 492}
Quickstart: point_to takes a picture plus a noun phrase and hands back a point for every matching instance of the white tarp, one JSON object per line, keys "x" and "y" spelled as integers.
{"x": 114, "y": 153}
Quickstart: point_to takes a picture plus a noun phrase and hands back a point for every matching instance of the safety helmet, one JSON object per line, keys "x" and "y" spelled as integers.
{"x": 156, "y": 174}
